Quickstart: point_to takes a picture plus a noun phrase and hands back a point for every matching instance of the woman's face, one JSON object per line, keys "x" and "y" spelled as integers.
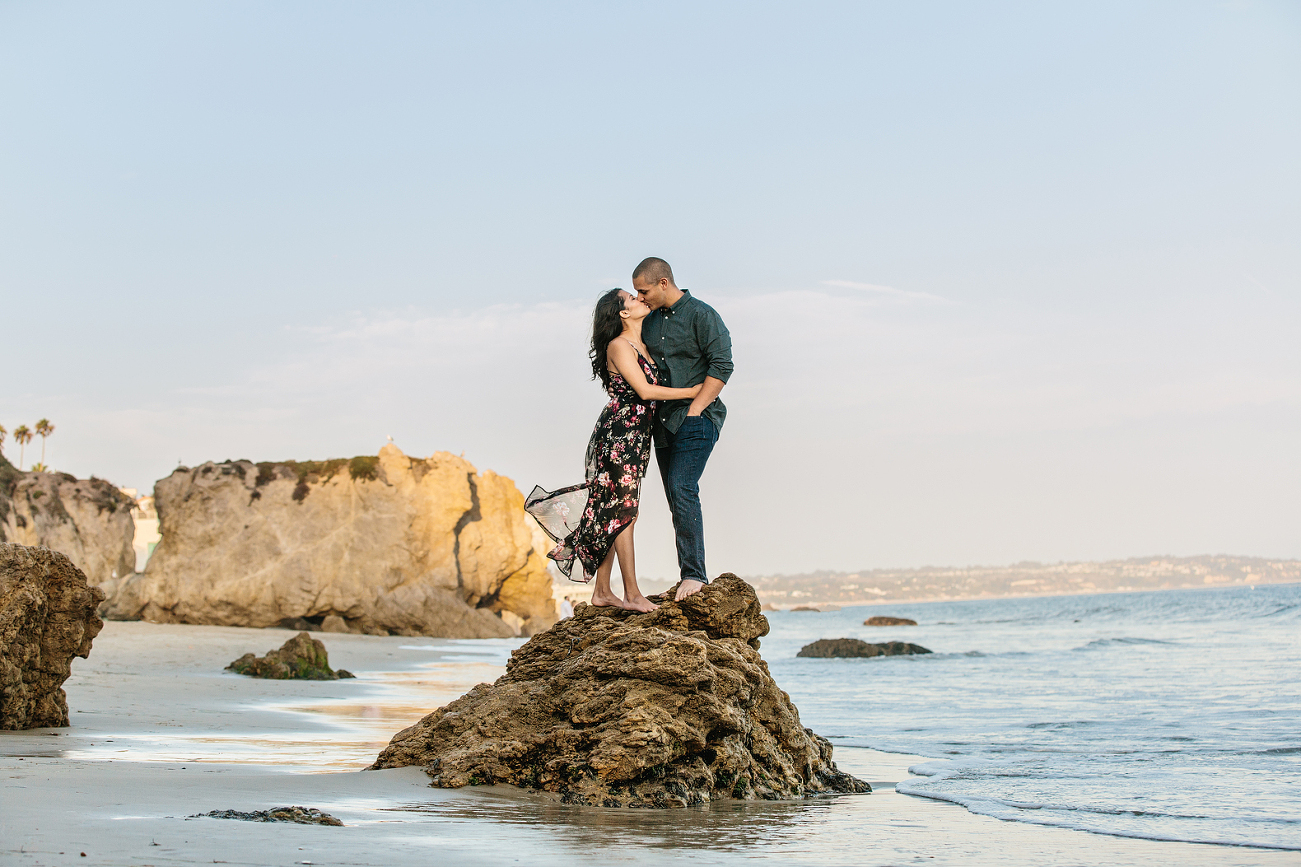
{"x": 633, "y": 307}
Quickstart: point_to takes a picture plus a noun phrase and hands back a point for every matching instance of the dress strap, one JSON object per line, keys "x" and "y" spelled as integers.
{"x": 634, "y": 348}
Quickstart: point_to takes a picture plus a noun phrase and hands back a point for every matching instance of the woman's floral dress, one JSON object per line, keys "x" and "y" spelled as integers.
{"x": 584, "y": 519}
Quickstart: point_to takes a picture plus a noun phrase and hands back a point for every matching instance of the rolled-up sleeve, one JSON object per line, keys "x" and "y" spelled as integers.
{"x": 716, "y": 345}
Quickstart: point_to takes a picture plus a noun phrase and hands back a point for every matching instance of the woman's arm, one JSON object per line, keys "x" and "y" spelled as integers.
{"x": 624, "y": 358}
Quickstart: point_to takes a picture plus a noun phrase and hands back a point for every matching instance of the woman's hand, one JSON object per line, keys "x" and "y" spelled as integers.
{"x": 694, "y": 390}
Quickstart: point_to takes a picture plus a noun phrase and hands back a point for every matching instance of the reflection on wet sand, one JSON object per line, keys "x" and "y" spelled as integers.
{"x": 352, "y": 732}
{"x": 720, "y": 826}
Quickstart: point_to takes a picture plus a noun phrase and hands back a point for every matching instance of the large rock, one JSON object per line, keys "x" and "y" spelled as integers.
{"x": 853, "y": 648}
{"x": 386, "y": 545}
{"x": 88, "y": 520}
{"x": 613, "y": 708}
{"x": 47, "y": 616}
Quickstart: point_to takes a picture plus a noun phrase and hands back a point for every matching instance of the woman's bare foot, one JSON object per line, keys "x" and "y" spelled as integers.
{"x": 606, "y": 599}
{"x": 640, "y": 603}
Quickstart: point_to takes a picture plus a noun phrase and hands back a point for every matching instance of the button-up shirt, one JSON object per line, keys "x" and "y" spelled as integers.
{"x": 687, "y": 342}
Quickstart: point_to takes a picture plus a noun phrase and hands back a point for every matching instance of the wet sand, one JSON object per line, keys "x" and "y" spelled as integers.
{"x": 159, "y": 733}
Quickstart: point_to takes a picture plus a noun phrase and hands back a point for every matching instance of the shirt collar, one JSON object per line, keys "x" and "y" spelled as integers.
{"x": 680, "y": 303}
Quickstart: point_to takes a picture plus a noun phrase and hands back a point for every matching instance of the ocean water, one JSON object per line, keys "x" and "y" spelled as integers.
{"x": 1168, "y": 715}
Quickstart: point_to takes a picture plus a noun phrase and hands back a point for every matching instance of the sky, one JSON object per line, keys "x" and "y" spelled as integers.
{"x": 1005, "y": 281}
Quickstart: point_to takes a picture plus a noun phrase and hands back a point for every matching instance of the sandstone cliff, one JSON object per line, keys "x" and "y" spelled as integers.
{"x": 384, "y": 545}
{"x": 89, "y": 520}
{"x": 612, "y": 708}
{"x": 47, "y": 616}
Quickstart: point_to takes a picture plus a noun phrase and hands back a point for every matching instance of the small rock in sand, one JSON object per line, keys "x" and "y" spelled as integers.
{"x": 301, "y": 657}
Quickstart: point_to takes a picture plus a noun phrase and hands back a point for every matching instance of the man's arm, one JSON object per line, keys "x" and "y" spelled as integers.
{"x": 716, "y": 347}
{"x": 708, "y": 391}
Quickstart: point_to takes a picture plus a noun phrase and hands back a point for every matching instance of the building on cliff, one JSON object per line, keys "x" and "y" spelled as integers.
{"x": 145, "y": 517}
{"x": 383, "y": 545}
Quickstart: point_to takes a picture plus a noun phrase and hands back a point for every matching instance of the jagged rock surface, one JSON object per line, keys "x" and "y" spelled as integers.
{"x": 47, "y": 616}
{"x": 296, "y": 815}
{"x": 614, "y": 708}
{"x": 87, "y": 520}
{"x": 852, "y": 648}
{"x": 387, "y": 545}
{"x": 889, "y": 621}
{"x": 300, "y": 658}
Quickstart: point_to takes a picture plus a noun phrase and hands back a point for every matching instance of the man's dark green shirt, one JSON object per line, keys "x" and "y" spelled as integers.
{"x": 687, "y": 342}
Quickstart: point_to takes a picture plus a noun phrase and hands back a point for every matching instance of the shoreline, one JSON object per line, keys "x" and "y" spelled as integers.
{"x": 161, "y": 733}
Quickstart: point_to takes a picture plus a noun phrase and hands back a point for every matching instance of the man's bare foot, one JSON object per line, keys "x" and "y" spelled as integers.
{"x": 606, "y": 600}
{"x": 686, "y": 588}
{"x": 640, "y": 603}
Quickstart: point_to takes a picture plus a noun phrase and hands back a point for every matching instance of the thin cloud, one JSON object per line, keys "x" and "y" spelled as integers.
{"x": 902, "y": 294}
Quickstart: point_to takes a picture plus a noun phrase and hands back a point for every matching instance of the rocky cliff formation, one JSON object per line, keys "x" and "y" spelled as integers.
{"x": 613, "y": 708}
{"x": 47, "y": 616}
{"x": 383, "y": 545}
{"x": 89, "y": 520}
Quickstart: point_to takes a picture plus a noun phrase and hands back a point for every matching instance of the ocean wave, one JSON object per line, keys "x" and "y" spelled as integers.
{"x": 1282, "y": 609}
{"x": 1114, "y": 642}
{"x": 1209, "y": 830}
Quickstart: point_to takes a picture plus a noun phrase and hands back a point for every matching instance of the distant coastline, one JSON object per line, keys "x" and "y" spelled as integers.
{"x": 932, "y": 583}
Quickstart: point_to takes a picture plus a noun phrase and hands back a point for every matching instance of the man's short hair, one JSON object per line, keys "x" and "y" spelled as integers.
{"x": 653, "y": 269}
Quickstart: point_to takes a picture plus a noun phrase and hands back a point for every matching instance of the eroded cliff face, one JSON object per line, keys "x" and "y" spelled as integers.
{"x": 87, "y": 520}
{"x": 384, "y": 545}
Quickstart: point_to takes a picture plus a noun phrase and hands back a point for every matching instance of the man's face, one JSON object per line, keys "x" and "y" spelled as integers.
{"x": 651, "y": 294}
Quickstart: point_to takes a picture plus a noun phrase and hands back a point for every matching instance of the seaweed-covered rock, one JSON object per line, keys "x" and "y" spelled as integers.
{"x": 296, "y": 815}
{"x": 852, "y": 648}
{"x": 300, "y": 658}
{"x": 889, "y": 621}
{"x": 615, "y": 708}
{"x": 47, "y": 616}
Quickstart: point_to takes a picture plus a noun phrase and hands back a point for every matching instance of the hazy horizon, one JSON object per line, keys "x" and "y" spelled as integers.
{"x": 1006, "y": 283}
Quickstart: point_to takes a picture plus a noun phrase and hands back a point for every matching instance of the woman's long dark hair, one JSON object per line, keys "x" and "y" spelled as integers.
{"x": 606, "y": 326}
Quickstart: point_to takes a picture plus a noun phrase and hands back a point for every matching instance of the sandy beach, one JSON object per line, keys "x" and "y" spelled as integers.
{"x": 161, "y": 733}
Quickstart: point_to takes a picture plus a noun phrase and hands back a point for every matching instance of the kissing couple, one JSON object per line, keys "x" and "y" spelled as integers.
{"x": 663, "y": 356}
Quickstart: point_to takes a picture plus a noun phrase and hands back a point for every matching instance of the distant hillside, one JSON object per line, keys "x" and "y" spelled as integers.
{"x": 1020, "y": 579}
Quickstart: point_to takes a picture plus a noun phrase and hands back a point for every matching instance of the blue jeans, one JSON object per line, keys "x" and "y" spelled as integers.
{"x": 682, "y": 462}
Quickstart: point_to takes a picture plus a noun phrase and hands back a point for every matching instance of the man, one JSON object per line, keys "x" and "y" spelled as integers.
{"x": 690, "y": 345}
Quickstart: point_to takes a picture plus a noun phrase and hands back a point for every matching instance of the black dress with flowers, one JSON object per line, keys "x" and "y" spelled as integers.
{"x": 584, "y": 519}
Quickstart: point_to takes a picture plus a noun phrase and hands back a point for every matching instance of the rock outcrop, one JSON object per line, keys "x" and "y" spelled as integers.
{"x": 614, "y": 708}
{"x": 381, "y": 545}
{"x": 889, "y": 621}
{"x": 88, "y": 520}
{"x": 47, "y": 616}
{"x": 852, "y": 648}
{"x": 300, "y": 658}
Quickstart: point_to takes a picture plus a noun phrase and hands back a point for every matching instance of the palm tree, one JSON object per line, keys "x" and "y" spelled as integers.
{"x": 3, "y": 433}
{"x": 44, "y": 428}
{"x": 22, "y": 436}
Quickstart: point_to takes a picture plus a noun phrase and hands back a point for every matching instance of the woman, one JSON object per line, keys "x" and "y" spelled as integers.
{"x": 593, "y": 522}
